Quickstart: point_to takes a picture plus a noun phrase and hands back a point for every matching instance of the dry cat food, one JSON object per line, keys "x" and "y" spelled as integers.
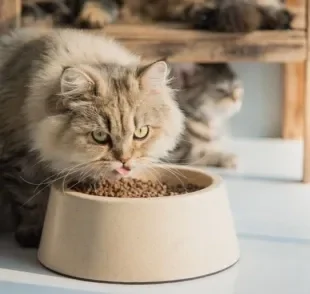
{"x": 134, "y": 188}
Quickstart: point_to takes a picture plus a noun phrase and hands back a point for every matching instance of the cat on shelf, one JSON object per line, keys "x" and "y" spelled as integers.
{"x": 209, "y": 94}
{"x": 213, "y": 15}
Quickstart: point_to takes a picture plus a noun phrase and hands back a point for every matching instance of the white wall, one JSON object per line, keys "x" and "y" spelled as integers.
{"x": 261, "y": 115}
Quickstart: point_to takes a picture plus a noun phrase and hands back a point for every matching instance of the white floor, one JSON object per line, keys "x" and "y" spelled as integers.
{"x": 272, "y": 214}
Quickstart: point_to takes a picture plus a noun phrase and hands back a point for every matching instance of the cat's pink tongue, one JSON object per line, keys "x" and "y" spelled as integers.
{"x": 123, "y": 171}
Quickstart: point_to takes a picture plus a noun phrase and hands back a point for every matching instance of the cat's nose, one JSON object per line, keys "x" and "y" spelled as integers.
{"x": 237, "y": 93}
{"x": 124, "y": 160}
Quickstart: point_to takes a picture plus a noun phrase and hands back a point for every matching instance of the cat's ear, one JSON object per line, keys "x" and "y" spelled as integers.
{"x": 75, "y": 81}
{"x": 154, "y": 76}
{"x": 185, "y": 73}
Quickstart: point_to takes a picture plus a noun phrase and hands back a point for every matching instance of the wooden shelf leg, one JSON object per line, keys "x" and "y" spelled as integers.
{"x": 306, "y": 158}
{"x": 293, "y": 107}
{"x": 10, "y": 14}
{"x": 294, "y": 85}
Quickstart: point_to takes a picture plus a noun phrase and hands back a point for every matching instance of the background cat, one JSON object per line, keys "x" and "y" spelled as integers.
{"x": 213, "y": 15}
{"x": 209, "y": 95}
{"x": 75, "y": 106}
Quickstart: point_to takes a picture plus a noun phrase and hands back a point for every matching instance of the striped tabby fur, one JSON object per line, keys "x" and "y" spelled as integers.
{"x": 213, "y": 15}
{"x": 60, "y": 92}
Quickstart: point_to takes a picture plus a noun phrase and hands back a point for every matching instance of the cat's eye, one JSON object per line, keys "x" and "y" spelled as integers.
{"x": 222, "y": 91}
{"x": 100, "y": 137}
{"x": 141, "y": 133}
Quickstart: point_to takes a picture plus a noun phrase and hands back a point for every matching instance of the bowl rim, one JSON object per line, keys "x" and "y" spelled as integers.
{"x": 217, "y": 182}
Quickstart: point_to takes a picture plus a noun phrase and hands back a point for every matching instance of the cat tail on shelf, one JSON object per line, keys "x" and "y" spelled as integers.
{"x": 238, "y": 16}
{"x": 95, "y": 14}
{"x": 242, "y": 16}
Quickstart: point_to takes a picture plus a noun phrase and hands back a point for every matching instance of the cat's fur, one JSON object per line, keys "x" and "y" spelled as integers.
{"x": 209, "y": 95}
{"x": 213, "y": 15}
{"x": 58, "y": 86}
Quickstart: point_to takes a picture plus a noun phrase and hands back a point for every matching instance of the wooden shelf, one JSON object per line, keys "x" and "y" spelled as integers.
{"x": 181, "y": 44}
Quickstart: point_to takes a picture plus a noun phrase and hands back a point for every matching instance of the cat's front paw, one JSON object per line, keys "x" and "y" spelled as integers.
{"x": 93, "y": 20}
{"x": 93, "y": 16}
{"x": 229, "y": 161}
{"x": 28, "y": 236}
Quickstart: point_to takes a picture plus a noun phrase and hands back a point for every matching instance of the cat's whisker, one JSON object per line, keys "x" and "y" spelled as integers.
{"x": 58, "y": 176}
{"x": 38, "y": 163}
{"x": 99, "y": 171}
{"x": 198, "y": 161}
{"x": 103, "y": 176}
{"x": 27, "y": 182}
{"x": 150, "y": 169}
{"x": 150, "y": 159}
{"x": 63, "y": 182}
{"x": 47, "y": 180}
{"x": 184, "y": 162}
{"x": 85, "y": 174}
{"x": 87, "y": 170}
{"x": 91, "y": 169}
{"x": 154, "y": 175}
{"x": 176, "y": 174}
{"x": 70, "y": 172}
{"x": 172, "y": 171}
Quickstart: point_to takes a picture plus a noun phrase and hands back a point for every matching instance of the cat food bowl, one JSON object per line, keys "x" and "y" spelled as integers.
{"x": 141, "y": 240}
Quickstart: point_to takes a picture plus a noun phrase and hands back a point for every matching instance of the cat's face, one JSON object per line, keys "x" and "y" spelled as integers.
{"x": 107, "y": 121}
{"x": 210, "y": 91}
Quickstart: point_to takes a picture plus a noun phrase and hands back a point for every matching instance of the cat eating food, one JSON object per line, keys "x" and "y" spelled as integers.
{"x": 75, "y": 106}
{"x": 209, "y": 95}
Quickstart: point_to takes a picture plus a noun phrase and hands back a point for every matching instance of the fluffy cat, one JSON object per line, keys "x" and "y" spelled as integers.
{"x": 209, "y": 95}
{"x": 75, "y": 105}
{"x": 213, "y": 15}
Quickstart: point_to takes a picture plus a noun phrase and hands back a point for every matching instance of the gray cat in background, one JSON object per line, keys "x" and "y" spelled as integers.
{"x": 209, "y": 94}
{"x": 74, "y": 106}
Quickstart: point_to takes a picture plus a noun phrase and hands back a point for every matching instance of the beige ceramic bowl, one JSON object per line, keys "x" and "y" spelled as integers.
{"x": 130, "y": 240}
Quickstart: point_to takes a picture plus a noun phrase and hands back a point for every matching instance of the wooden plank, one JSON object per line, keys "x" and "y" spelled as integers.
{"x": 306, "y": 161}
{"x": 180, "y": 44}
{"x": 294, "y": 87}
{"x": 297, "y": 7}
{"x": 294, "y": 78}
{"x": 10, "y": 11}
